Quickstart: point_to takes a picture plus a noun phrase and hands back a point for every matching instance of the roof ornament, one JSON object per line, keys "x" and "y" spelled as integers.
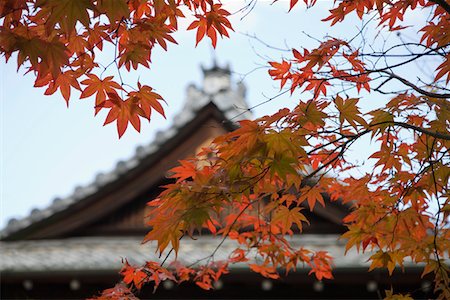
{"x": 218, "y": 88}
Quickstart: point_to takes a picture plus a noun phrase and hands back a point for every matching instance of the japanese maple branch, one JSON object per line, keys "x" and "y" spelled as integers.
{"x": 168, "y": 254}
{"x": 225, "y": 236}
{"x": 443, "y": 4}
{"x": 341, "y": 153}
{"x": 434, "y": 134}
{"x": 436, "y": 225}
{"x": 261, "y": 103}
{"x": 11, "y": 11}
{"x": 378, "y": 70}
{"x": 415, "y": 87}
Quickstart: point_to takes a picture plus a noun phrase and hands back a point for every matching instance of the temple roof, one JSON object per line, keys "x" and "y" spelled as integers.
{"x": 106, "y": 253}
{"x": 217, "y": 93}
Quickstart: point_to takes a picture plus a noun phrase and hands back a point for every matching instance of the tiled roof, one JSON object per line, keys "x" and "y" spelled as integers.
{"x": 106, "y": 253}
{"x": 230, "y": 101}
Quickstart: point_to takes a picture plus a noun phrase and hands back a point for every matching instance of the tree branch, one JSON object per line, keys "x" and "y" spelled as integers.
{"x": 415, "y": 87}
{"x": 443, "y": 4}
{"x": 438, "y": 135}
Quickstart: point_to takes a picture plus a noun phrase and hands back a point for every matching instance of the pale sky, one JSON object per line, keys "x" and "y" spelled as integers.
{"x": 47, "y": 149}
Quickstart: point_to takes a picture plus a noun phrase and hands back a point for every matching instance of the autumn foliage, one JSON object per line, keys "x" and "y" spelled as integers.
{"x": 58, "y": 41}
{"x": 253, "y": 185}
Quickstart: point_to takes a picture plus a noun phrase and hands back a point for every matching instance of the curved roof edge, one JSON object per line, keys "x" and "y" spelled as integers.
{"x": 106, "y": 253}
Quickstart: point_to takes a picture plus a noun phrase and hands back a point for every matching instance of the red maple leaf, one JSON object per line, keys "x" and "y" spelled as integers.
{"x": 123, "y": 112}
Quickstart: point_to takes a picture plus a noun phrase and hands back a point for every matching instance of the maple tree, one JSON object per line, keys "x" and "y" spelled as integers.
{"x": 252, "y": 185}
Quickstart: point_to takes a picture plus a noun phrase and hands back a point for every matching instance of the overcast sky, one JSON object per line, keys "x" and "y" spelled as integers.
{"x": 48, "y": 149}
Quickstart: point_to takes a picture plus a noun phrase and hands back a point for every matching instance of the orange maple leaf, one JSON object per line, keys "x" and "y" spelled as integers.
{"x": 212, "y": 22}
{"x": 123, "y": 112}
{"x": 100, "y": 87}
{"x": 148, "y": 100}
{"x": 133, "y": 275}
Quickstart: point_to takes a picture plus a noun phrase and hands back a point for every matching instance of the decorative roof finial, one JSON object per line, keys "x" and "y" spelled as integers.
{"x": 216, "y": 78}
{"x": 218, "y": 88}
{"x": 214, "y": 58}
